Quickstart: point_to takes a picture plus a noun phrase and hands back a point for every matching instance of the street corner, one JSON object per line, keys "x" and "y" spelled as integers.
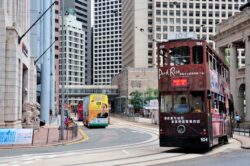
{"x": 84, "y": 137}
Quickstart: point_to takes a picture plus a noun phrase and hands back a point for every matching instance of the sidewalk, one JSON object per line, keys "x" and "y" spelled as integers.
{"x": 242, "y": 135}
{"x": 49, "y": 135}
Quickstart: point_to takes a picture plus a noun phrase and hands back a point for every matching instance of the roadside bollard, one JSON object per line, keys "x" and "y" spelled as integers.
{"x": 48, "y": 136}
{"x": 67, "y": 134}
{"x": 33, "y": 137}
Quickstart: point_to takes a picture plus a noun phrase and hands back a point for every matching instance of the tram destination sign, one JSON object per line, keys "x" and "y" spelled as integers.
{"x": 182, "y": 35}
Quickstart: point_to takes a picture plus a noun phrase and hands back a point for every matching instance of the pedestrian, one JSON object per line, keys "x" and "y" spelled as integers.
{"x": 75, "y": 111}
{"x": 237, "y": 119}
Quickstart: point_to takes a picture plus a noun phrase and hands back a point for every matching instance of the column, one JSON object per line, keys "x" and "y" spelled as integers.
{"x": 2, "y": 65}
{"x": 233, "y": 70}
{"x": 221, "y": 52}
{"x": 11, "y": 80}
{"x": 45, "y": 79}
{"x": 247, "y": 78}
{"x": 52, "y": 61}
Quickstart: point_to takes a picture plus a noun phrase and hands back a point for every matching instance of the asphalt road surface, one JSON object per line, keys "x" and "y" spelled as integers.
{"x": 124, "y": 143}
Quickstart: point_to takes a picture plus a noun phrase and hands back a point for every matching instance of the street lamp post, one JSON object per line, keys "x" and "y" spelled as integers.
{"x": 62, "y": 76}
{"x": 21, "y": 37}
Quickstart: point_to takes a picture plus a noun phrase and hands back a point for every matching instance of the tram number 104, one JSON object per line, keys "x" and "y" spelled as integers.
{"x": 204, "y": 139}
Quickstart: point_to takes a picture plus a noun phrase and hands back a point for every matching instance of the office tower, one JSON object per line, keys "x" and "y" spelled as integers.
{"x": 107, "y": 41}
{"x": 82, "y": 9}
{"x": 74, "y": 53}
{"x": 173, "y": 16}
{"x": 134, "y": 34}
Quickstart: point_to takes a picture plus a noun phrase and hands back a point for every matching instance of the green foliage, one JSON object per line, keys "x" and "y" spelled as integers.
{"x": 136, "y": 100}
{"x": 151, "y": 94}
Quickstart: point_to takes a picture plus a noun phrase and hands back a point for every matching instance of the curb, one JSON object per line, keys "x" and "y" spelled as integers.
{"x": 243, "y": 146}
{"x": 82, "y": 139}
{"x": 85, "y": 137}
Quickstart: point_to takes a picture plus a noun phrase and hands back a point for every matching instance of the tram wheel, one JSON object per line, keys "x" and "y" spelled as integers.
{"x": 223, "y": 140}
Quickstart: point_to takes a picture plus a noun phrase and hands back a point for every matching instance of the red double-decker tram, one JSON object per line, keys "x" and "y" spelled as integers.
{"x": 193, "y": 95}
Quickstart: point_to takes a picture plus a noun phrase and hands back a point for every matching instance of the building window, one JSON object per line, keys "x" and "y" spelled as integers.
{"x": 158, "y": 12}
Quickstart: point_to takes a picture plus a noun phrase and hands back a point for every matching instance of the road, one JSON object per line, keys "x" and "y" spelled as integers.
{"x": 122, "y": 143}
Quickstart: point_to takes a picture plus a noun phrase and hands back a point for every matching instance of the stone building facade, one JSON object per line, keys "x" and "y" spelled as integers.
{"x": 234, "y": 34}
{"x": 132, "y": 79}
{"x": 17, "y": 69}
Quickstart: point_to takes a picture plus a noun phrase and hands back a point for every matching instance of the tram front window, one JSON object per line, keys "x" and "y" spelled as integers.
{"x": 175, "y": 103}
{"x": 183, "y": 103}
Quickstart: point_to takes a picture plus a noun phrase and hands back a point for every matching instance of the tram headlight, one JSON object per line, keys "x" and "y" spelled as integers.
{"x": 181, "y": 129}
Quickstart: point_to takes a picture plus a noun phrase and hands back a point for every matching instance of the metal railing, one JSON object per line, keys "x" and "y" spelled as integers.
{"x": 242, "y": 129}
{"x": 45, "y": 136}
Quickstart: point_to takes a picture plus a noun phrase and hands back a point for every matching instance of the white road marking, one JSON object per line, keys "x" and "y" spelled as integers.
{"x": 124, "y": 151}
{"x": 140, "y": 132}
{"x": 27, "y": 159}
{"x": 28, "y": 162}
{"x": 13, "y": 162}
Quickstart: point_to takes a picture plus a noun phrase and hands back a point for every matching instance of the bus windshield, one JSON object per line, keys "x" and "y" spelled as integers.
{"x": 183, "y": 103}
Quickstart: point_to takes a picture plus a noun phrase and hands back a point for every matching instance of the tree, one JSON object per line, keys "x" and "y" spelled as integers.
{"x": 136, "y": 100}
{"x": 151, "y": 94}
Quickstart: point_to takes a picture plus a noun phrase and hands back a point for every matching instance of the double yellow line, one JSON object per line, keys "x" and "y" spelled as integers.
{"x": 84, "y": 135}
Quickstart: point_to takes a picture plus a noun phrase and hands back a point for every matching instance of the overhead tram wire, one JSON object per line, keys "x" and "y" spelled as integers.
{"x": 146, "y": 34}
{"x": 127, "y": 11}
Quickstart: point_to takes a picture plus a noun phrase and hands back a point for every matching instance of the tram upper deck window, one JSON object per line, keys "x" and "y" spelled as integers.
{"x": 179, "y": 55}
{"x": 197, "y": 54}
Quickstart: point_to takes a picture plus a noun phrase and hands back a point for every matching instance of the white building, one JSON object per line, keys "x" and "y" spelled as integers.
{"x": 74, "y": 54}
{"x": 17, "y": 69}
{"x": 165, "y": 17}
{"x": 106, "y": 41}
{"x": 134, "y": 34}
{"x": 82, "y": 9}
